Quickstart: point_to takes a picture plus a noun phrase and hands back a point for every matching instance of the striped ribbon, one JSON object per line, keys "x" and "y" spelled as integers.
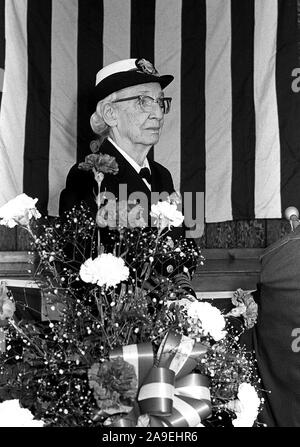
{"x": 157, "y": 392}
{"x": 180, "y": 353}
{"x": 139, "y": 356}
{"x": 169, "y": 393}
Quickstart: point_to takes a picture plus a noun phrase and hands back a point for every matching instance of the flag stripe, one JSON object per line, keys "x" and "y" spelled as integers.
{"x": 116, "y": 32}
{"x": 243, "y": 112}
{"x": 267, "y": 162}
{"x": 193, "y": 32}
{"x": 298, "y": 33}
{"x": 142, "y": 29}
{"x": 37, "y": 134}
{"x": 2, "y": 33}
{"x": 288, "y": 103}
{"x": 13, "y": 107}
{"x": 142, "y": 34}
{"x": 1, "y": 82}
{"x": 218, "y": 111}
{"x": 2, "y": 45}
{"x": 232, "y": 134}
{"x": 167, "y": 56}
{"x": 63, "y": 142}
{"x": 90, "y": 61}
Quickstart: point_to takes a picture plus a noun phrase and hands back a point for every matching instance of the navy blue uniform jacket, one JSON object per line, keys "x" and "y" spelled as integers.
{"x": 80, "y": 184}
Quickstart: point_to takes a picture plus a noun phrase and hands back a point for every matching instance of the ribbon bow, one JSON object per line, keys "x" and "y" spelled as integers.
{"x": 168, "y": 392}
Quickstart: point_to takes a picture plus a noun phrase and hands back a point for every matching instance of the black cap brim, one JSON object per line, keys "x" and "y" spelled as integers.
{"x": 118, "y": 81}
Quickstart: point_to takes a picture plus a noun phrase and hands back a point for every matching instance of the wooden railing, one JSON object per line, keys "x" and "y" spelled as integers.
{"x": 226, "y": 270}
{"x": 231, "y": 251}
{"x": 16, "y": 264}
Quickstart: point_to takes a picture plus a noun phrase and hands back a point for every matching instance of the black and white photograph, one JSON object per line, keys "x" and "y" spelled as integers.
{"x": 149, "y": 218}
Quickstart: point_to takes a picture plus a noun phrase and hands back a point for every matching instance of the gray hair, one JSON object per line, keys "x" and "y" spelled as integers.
{"x": 97, "y": 122}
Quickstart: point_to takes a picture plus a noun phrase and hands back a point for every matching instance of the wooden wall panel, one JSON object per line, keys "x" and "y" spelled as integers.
{"x": 250, "y": 233}
{"x": 257, "y": 233}
{"x": 8, "y": 239}
{"x": 23, "y": 240}
{"x": 220, "y": 235}
{"x": 14, "y": 239}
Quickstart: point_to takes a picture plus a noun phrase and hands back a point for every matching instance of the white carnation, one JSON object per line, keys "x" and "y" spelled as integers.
{"x": 210, "y": 318}
{"x": 246, "y": 406}
{"x": 166, "y": 214}
{"x": 106, "y": 269}
{"x": 12, "y": 415}
{"x": 88, "y": 271}
{"x": 18, "y": 211}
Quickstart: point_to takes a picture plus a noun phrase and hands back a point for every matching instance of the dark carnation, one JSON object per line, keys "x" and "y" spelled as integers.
{"x": 113, "y": 382}
{"x": 100, "y": 163}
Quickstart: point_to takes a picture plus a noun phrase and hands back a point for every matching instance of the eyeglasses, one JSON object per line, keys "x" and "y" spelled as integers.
{"x": 146, "y": 102}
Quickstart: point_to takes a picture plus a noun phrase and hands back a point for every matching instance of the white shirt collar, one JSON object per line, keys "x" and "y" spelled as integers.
{"x": 131, "y": 161}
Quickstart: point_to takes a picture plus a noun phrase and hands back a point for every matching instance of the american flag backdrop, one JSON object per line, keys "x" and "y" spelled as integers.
{"x": 233, "y": 134}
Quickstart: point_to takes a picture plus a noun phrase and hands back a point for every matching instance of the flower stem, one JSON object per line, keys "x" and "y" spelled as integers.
{"x": 18, "y": 329}
{"x": 99, "y": 176}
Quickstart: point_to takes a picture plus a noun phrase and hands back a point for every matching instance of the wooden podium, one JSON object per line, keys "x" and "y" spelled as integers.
{"x": 17, "y": 271}
{"x": 226, "y": 270}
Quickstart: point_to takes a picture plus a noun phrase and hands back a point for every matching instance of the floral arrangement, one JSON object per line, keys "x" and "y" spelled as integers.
{"x": 131, "y": 345}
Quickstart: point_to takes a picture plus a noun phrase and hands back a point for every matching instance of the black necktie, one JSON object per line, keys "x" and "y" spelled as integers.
{"x": 145, "y": 173}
